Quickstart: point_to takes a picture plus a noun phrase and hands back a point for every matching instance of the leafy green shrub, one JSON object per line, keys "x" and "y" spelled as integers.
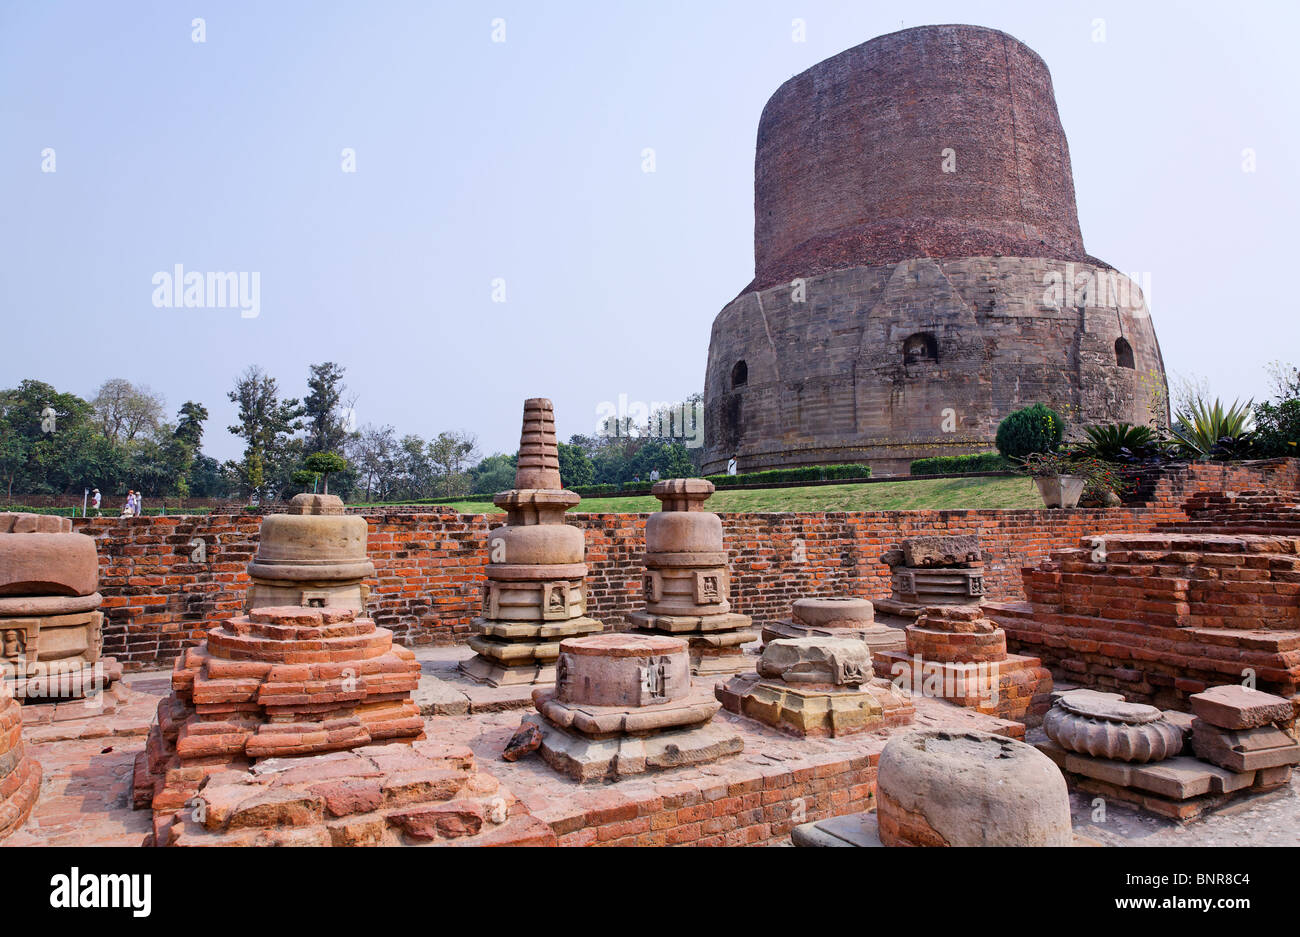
{"x": 1033, "y": 429}
{"x": 1113, "y": 442}
{"x": 953, "y": 464}
{"x": 1277, "y": 422}
{"x": 1209, "y": 431}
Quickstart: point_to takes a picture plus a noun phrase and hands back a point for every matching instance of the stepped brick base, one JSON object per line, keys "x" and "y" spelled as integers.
{"x": 20, "y": 774}
{"x": 279, "y": 682}
{"x": 1023, "y": 686}
{"x": 380, "y": 795}
{"x": 1161, "y": 616}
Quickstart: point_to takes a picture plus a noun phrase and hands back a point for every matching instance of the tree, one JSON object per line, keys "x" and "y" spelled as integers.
{"x": 494, "y": 473}
{"x": 575, "y": 467}
{"x": 48, "y": 441}
{"x": 451, "y": 453}
{"x": 125, "y": 411}
{"x": 190, "y": 428}
{"x": 417, "y": 470}
{"x": 266, "y": 424}
{"x": 323, "y": 408}
{"x": 375, "y": 453}
{"x": 325, "y": 464}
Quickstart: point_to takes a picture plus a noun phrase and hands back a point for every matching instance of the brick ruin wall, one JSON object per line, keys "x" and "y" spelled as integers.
{"x": 430, "y": 567}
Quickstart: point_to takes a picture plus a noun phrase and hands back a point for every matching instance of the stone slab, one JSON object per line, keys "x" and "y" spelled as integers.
{"x": 1237, "y": 707}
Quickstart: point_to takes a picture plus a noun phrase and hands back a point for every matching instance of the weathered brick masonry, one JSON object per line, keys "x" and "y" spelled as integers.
{"x": 159, "y": 592}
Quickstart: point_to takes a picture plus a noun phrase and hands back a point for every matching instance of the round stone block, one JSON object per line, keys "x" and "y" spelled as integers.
{"x": 969, "y": 788}
{"x": 536, "y": 545}
{"x": 622, "y": 670}
{"x": 40, "y": 563}
{"x": 834, "y": 612}
{"x": 683, "y": 532}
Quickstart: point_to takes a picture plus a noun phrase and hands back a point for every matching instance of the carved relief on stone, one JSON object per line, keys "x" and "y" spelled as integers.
{"x": 976, "y": 585}
{"x": 13, "y": 644}
{"x": 710, "y": 587}
{"x": 653, "y": 585}
{"x": 904, "y": 582}
{"x": 555, "y": 601}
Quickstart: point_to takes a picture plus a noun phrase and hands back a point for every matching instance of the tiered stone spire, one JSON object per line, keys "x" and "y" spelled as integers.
{"x": 535, "y": 595}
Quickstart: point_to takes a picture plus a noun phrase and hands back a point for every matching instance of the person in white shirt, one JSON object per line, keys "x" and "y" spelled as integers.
{"x": 654, "y": 475}
{"x": 94, "y": 501}
{"x": 731, "y": 466}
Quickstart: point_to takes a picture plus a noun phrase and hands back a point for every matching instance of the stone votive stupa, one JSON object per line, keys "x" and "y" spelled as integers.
{"x": 313, "y": 555}
{"x": 51, "y": 629}
{"x": 286, "y": 681}
{"x": 929, "y": 571}
{"x": 20, "y": 774}
{"x": 535, "y": 595}
{"x": 687, "y": 581}
{"x": 816, "y": 686}
{"x": 839, "y": 617}
{"x": 624, "y": 704}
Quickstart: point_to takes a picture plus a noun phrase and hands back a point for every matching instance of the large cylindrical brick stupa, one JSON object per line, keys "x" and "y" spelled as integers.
{"x": 919, "y": 272}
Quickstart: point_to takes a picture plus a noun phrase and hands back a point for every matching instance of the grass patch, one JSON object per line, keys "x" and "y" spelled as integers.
{"x": 936, "y": 494}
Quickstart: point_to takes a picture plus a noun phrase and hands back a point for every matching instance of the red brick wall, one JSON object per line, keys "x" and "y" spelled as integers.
{"x": 430, "y": 566}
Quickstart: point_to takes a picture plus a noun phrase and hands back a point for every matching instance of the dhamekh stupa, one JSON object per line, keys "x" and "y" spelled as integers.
{"x": 919, "y": 272}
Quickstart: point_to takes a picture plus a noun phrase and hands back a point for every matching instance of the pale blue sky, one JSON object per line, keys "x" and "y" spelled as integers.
{"x": 522, "y": 160}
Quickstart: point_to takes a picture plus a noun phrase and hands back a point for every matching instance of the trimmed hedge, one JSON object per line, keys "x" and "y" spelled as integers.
{"x": 956, "y": 464}
{"x": 771, "y": 476}
{"x": 104, "y": 511}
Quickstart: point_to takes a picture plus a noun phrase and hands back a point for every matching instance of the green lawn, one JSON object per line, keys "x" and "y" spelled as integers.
{"x": 913, "y": 495}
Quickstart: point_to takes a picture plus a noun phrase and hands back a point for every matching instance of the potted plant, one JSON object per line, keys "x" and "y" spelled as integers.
{"x": 1053, "y": 473}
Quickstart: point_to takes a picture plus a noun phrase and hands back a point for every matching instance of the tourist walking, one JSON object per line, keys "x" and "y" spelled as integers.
{"x": 95, "y": 501}
{"x": 128, "y": 509}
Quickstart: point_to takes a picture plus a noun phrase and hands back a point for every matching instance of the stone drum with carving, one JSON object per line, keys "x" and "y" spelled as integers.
{"x": 314, "y": 555}
{"x": 51, "y": 629}
{"x": 928, "y": 571}
{"x": 624, "y": 704}
{"x": 687, "y": 582}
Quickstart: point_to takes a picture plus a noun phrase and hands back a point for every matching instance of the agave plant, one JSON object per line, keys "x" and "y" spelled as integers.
{"x": 1119, "y": 442}
{"x": 1209, "y": 431}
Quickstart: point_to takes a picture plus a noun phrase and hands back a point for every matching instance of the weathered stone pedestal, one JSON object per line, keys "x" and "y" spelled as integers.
{"x": 816, "y": 686}
{"x": 930, "y": 571}
{"x": 623, "y": 704}
{"x": 535, "y": 595}
{"x": 1139, "y": 755}
{"x": 287, "y": 681}
{"x": 51, "y": 629}
{"x": 314, "y": 555}
{"x": 836, "y": 618}
{"x": 955, "y": 653}
{"x": 20, "y": 774}
{"x": 964, "y": 788}
{"x": 687, "y": 581}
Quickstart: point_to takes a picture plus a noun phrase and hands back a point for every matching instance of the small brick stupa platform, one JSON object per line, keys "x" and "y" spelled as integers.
{"x": 280, "y": 682}
{"x": 1164, "y": 615}
{"x": 20, "y": 775}
{"x": 428, "y": 793}
{"x": 955, "y": 653}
